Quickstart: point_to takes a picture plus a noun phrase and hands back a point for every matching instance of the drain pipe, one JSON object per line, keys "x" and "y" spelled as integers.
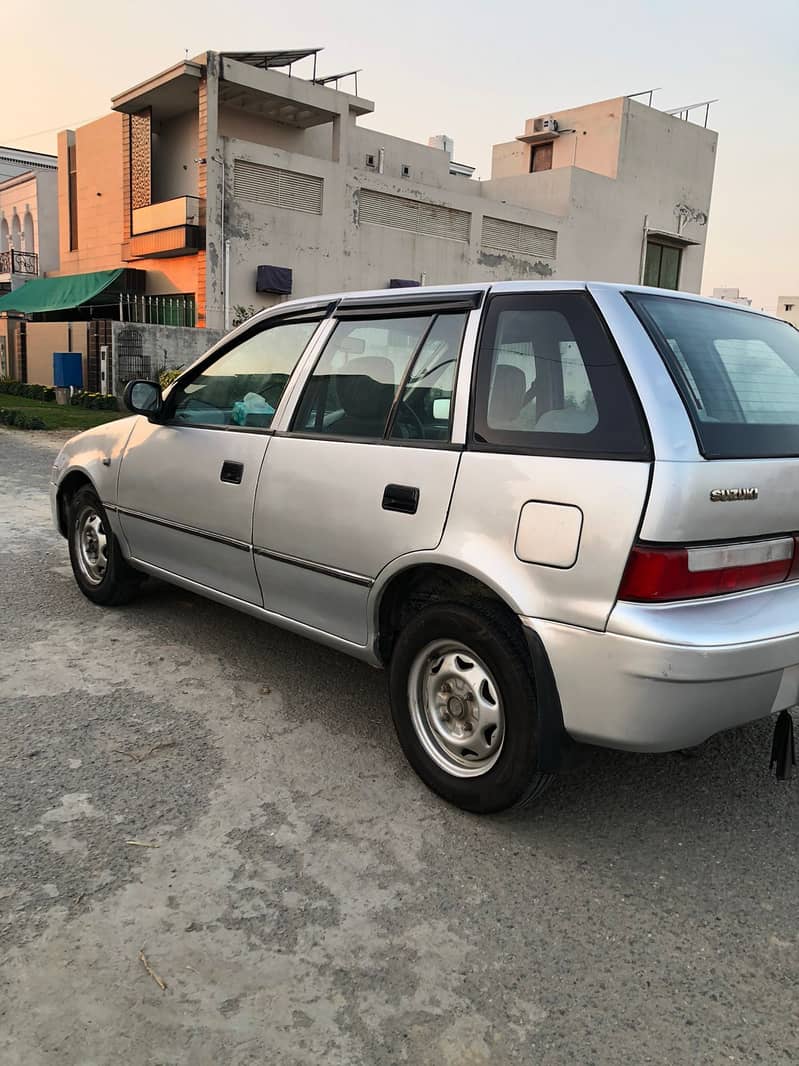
{"x": 642, "y": 264}
{"x": 224, "y": 242}
{"x": 227, "y": 284}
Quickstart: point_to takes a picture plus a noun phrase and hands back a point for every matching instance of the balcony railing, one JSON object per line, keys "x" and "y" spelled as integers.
{"x": 16, "y": 262}
{"x": 169, "y": 214}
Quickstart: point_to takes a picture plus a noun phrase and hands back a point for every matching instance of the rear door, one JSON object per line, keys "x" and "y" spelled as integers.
{"x": 364, "y": 471}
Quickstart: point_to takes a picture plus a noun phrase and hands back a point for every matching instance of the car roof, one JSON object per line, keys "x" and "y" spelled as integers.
{"x": 399, "y": 295}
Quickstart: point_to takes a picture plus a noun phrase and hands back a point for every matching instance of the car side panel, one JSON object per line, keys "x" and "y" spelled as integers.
{"x": 97, "y": 454}
{"x": 480, "y": 536}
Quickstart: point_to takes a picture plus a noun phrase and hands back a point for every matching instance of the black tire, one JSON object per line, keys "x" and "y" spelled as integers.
{"x": 512, "y": 779}
{"x": 115, "y": 583}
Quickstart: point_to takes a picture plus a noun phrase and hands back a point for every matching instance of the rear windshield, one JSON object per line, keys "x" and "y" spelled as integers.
{"x": 738, "y": 373}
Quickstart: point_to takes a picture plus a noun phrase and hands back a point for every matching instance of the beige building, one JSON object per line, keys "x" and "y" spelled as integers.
{"x": 230, "y": 180}
{"x": 788, "y": 308}
{"x": 28, "y": 216}
{"x": 732, "y": 296}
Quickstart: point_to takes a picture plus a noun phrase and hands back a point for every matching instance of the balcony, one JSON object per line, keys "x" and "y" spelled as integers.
{"x": 16, "y": 262}
{"x": 169, "y": 228}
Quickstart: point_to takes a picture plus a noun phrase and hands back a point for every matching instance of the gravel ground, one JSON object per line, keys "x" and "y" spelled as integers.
{"x": 309, "y": 901}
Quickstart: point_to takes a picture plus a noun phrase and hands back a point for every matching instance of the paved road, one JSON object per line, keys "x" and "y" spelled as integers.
{"x": 309, "y": 901}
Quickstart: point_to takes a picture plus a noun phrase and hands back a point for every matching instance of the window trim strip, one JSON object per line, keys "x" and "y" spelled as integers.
{"x": 354, "y": 306}
{"x": 393, "y": 442}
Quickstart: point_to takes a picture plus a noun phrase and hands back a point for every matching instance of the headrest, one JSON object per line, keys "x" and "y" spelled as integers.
{"x": 568, "y": 420}
{"x": 366, "y": 388}
{"x": 507, "y": 395}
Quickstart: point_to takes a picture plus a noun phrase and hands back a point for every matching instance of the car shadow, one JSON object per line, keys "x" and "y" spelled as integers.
{"x": 716, "y": 800}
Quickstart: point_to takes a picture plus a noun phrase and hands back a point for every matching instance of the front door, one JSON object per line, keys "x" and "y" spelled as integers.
{"x": 187, "y": 483}
{"x": 366, "y": 470}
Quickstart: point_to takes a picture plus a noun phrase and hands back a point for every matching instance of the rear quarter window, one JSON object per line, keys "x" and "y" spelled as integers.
{"x": 737, "y": 373}
{"x": 550, "y": 381}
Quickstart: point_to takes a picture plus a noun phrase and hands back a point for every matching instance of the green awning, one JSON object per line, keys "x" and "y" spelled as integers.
{"x": 58, "y": 294}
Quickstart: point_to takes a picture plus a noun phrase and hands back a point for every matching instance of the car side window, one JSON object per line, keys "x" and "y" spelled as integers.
{"x": 550, "y": 380}
{"x": 384, "y": 378}
{"x": 425, "y": 406}
{"x": 245, "y": 384}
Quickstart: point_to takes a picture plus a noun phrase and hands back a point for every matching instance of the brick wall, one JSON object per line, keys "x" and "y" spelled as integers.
{"x": 202, "y": 190}
{"x": 100, "y": 202}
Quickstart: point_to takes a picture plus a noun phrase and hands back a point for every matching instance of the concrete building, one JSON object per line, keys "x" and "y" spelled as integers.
{"x": 230, "y": 180}
{"x": 14, "y": 161}
{"x": 28, "y": 216}
{"x": 788, "y": 308}
{"x": 732, "y": 296}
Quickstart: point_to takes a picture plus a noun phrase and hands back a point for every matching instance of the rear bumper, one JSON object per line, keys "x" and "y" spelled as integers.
{"x": 626, "y": 692}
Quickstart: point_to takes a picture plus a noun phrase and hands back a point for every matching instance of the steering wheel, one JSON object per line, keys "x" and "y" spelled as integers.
{"x": 416, "y": 422}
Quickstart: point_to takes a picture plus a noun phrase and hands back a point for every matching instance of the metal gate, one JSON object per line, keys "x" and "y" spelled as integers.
{"x": 129, "y": 354}
{"x": 99, "y": 334}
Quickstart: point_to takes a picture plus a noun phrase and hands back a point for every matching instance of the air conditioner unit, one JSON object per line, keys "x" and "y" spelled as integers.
{"x": 545, "y": 125}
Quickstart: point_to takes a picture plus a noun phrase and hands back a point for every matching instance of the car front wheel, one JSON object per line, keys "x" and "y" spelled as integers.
{"x": 464, "y": 707}
{"x": 102, "y": 573}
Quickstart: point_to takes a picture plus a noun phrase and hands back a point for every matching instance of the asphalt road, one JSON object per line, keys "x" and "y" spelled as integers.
{"x": 309, "y": 901}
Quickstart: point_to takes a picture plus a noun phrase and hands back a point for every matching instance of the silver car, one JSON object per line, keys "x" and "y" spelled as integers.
{"x": 554, "y": 512}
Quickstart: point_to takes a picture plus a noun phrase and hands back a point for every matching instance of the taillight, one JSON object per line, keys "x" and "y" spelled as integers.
{"x": 656, "y": 574}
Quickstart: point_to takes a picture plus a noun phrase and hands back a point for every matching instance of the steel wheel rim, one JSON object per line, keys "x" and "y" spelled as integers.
{"x": 456, "y": 708}
{"x": 92, "y": 546}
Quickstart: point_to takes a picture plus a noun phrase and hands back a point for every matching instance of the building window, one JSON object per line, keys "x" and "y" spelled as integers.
{"x": 789, "y": 307}
{"x": 662, "y": 265}
{"x": 72, "y": 192}
{"x": 405, "y": 170}
{"x": 541, "y": 157}
{"x": 371, "y": 161}
{"x": 28, "y": 241}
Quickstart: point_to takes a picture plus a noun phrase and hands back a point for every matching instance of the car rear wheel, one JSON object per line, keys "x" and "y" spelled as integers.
{"x": 102, "y": 573}
{"x": 464, "y": 707}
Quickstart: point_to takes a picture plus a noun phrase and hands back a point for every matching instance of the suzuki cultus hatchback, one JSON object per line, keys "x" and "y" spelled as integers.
{"x": 553, "y": 512}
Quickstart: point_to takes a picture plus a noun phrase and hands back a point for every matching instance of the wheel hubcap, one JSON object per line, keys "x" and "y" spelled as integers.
{"x": 92, "y": 544}
{"x": 456, "y": 708}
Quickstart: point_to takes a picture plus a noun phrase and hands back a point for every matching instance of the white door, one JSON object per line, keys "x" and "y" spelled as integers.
{"x": 366, "y": 470}
{"x": 187, "y": 482}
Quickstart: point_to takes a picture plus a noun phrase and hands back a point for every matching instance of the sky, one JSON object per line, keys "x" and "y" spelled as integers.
{"x": 473, "y": 70}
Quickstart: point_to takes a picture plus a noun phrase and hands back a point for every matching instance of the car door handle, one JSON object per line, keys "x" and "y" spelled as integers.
{"x": 232, "y": 473}
{"x": 403, "y": 498}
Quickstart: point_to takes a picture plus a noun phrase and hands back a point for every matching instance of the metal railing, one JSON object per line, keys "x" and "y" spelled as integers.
{"x": 177, "y": 310}
{"x": 13, "y": 261}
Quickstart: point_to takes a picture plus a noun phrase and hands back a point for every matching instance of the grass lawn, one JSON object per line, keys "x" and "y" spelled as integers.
{"x": 55, "y": 416}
